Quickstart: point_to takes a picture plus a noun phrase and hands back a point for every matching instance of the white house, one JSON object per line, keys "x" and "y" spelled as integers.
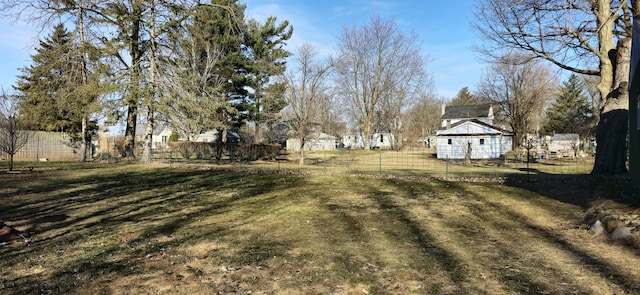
{"x": 160, "y": 138}
{"x": 486, "y": 141}
{"x": 376, "y": 140}
{"x": 564, "y": 144}
{"x": 161, "y": 134}
{"x": 317, "y": 142}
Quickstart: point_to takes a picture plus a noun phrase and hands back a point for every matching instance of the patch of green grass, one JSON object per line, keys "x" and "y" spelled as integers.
{"x": 169, "y": 229}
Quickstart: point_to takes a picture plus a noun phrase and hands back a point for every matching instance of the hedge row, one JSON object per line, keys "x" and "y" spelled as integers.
{"x": 218, "y": 151}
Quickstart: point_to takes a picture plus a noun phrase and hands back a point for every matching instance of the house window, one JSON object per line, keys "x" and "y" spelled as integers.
{"x": 481, "y": 140}
{"x": 164, "y": 138}
{"x": 449, "y": 141}
{"x": 381, "y": 138}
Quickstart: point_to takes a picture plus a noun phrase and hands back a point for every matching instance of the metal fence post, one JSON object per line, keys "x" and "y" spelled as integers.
{"x": 446, "y": 167}
{"x": 380, "y": 156}
{"x": 324, "y": 161}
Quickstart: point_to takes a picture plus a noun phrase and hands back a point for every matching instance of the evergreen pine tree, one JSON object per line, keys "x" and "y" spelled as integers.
{"x": 465, "y": 97}
{"x": 571, "y": 112}
{"x": 60, "y": 90}
{"x": 266, "y": 42}
{"x": 221, "y": 68}
{"x": 42, "y": 87}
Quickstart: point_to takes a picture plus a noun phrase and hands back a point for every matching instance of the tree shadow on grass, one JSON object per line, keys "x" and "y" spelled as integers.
{"x": 511, "y": 226}
{"x": 401, "y": 229}
{"x": 580, "y": 189}
{"x": 559, "y": 190}
{"x": 59, "y": 214}
{"x": 164, "y": 207}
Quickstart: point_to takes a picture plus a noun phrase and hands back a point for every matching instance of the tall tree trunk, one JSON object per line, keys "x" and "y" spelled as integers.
{"x": 611, "y": 152}
{"x": 517, "y": 137}
{"x": 302, "y": 142}
{"x": 135, "y": 82}
{"x": 85, "y": 143}
{"x": 366, "y": 133}
{"x": 84, "y": 147}
{"x": 612, "y": 129}
{"x": 130, "y": 129}
{"x": 148, "y": 137}
{"x": 467, "y": 155}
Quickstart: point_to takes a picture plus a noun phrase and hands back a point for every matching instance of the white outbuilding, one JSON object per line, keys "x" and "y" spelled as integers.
{"x": 486, "y": 141}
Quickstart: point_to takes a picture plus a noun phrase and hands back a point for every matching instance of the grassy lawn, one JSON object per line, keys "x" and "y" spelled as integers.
{"x": 424, "y": 162}
{"x": 170, "y": 229}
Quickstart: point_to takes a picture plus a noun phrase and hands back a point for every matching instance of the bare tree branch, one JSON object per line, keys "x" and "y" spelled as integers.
{"x": 379, "y": 72}
{"x": 13, "y": 134}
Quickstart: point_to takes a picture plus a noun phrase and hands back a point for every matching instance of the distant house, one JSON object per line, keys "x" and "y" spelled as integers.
{"x": 207, "y": 136}
{"x": 564, "y": 145}
{"x": 382, "y": 140}
{"x": 471, "y": 126}
{"x": 161, "y": 136}
{"x": 317, "y": 142}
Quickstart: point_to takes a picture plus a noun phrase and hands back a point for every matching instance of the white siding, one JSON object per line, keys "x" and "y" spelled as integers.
{"x": 486, "y": 142}
{"x": 492, "y": 147}
{"x": 160, "y": 139}
{"x": 320, "y": 142}
{"x": 293, "y": 144}
{"x": 563, "y": 143}
{"x": 378, "y": 140}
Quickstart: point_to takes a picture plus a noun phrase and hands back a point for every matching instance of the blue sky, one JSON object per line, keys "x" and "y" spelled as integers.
{"x": 443, "y": 28}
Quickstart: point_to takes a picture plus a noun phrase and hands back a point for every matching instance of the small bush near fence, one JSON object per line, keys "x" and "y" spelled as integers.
{"x": 225, "y": 151}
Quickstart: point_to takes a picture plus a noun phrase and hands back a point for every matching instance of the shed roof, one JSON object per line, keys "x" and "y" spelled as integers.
{"x": 565, "y": 136}
{"x": 467, "y": 111}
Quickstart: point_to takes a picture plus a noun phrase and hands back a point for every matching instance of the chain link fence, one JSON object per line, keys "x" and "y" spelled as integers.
{"x": 46, "y": 146}
{"x": 423, "y": 162}
{"x": 414, "y": 162}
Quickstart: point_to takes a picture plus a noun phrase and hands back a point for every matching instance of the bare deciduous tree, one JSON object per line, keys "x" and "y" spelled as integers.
{"x": 192, "y": 91}
{"x": 379, "y": 71}
{"x": 520, "y": 88}
{"x": 575, "y": 35}
{"x": 13, "y": 135}
{"x": 424, "y": 117}
{"x": 306, "y": 93}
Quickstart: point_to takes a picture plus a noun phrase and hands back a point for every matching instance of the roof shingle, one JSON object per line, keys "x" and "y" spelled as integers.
{"x": 467, "y": 111}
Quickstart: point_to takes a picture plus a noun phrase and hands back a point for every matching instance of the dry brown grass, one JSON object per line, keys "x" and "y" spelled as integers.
{"x": 425, "y": 163}
{"x": 161, "y": 229}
